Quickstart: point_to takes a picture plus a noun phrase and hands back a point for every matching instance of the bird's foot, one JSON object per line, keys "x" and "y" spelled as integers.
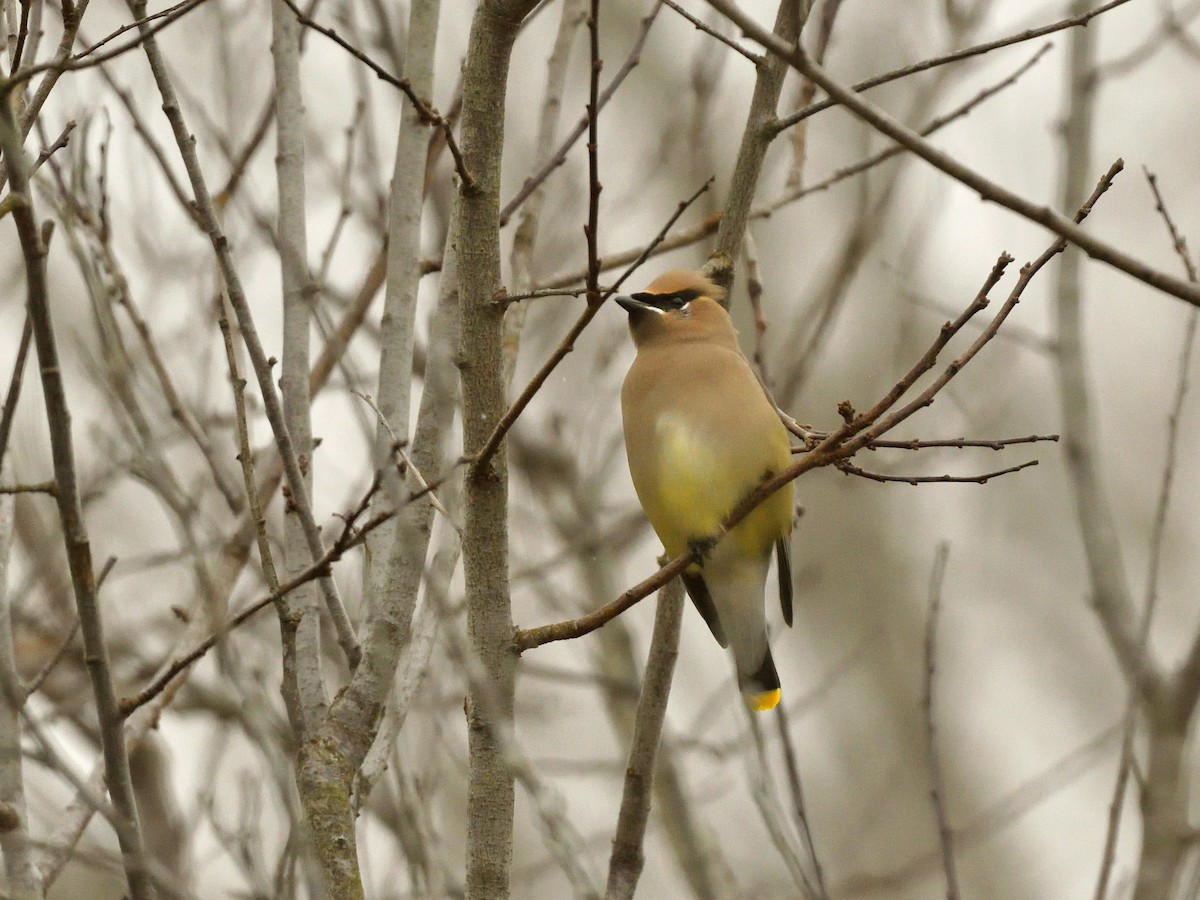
{"x": 700, "y": 548}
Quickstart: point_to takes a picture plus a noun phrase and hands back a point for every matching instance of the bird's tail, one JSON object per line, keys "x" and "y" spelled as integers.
{"x": 735, "y": 586}
{"x": 761, "y": 689}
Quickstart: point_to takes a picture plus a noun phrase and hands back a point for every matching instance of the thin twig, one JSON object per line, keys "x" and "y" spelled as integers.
{"x": 506, "y": 299}
{"x": 960, "y": 443}
{"x": 146, "y": 133}
{"x": 708, "y": 226}
{"x": 170, "y": 14}
{"x": 66, "y": 43}
{"x": 1170, "y": 30}
{"x": 397, "y": 449}
{"x": 797, "y": 791}
{"x": 1187, "y": 681}
{"x": 272, "y": 405}
{"x": 936, "y": 124}
{"x": 713, "y": 33}
{"x": 64, "y": 137}
{"x": 524, "y": 240}
{"x": 1012, "y": 807}
{"x": 14, "y": 387}
{"x": 989, "y": 190}
{"x": 819, "y": 43}
{"x": 957, "y": 56}
{"x": 568, "y": 343}
{"x": 179, "y": 411}
{"x": 591, "y": 228}
{"x": 754, "y": 291}
{"x": 560, "y": 155}
{"x": 74, "y": 528}
{"x": 1028, "y": 271}
{"x": 349, "y": 538}
{"x": 40, "y": 487}
{"x": 1116, "y": 805}
{"x": 1178, "y": 242}
{"x": 810, "y": 436}
{"x": 73, "y": 64}
{"x": 1165, "y": 491}
{"x": 767, "y": 801}
{"x": 427, "y": 112}
{"x": 851, "y": 469}
{"x": 937, "y": 784}
{"x": 35, "y": 683}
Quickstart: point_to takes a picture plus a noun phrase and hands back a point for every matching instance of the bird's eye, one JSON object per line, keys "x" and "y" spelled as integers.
{"x": 672, "y": 302}
{"x": 684, "y": 298}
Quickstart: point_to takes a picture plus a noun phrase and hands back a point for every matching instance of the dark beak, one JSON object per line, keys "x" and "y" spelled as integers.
{"x": 631, "y": 305}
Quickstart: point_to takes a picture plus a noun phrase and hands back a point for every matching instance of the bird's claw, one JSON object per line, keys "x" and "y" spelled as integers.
{"x": 699, "y": 548}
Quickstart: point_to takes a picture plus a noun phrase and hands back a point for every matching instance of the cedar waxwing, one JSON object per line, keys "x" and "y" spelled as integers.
{"x": 700, "y": 434}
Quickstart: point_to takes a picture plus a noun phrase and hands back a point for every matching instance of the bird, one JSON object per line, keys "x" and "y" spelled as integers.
{"x": 701, "y": 433}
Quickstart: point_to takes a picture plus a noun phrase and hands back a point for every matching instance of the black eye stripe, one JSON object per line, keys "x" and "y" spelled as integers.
{"x": 673, "y": 300}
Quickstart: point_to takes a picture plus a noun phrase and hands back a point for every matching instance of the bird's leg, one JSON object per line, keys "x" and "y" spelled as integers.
{"x": 700, "y": 547}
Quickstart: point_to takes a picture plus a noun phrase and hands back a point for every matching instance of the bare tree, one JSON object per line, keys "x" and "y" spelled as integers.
{"x": 207, "y": 201}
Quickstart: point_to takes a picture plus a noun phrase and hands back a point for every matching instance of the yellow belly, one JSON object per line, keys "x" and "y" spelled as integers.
{"x": 696, "y": 487}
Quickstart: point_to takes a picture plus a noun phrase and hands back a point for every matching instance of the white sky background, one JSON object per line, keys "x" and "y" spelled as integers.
{"x": 1024, "y": 676}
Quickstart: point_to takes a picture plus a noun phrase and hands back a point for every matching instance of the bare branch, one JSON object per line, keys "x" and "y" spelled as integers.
{"x": 299, "y": 612}
{"x": 492, "y": 444}
{"x": 14, "y": 387}
{"x": 41, "y": 487}
{"x": 490, "y": 792}
{"x": 628, "y": 854}
{"x": 210, "y": 224}
{"x": 795, "y": 788}
{"x": 524, "y": 241}
{"x": 960, "y": 443}
{"x": 713, "y": 33}
{"x": 957, "y": 56}
{"x": 752, "y": 150}
{"x": 85, "y": 59}
{"x": 591, "y": 227}
{"x": 937, "y": 789}
{"x": 22, "y": 882}
{"x": 986, "y": 188}
{"x": 851, "y": 469}
{"x": 349, "y": 538}
{"x": 426, "y": 112}
{"x": 709, "y": 225}
{"x": 74, "y": 529}
{"x": 766, "y": 799}
{"x": 1003, "y": 813}
{"x": 560, "y": 155}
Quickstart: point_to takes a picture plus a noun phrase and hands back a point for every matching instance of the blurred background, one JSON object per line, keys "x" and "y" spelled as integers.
{"x": 1029, "y": 701}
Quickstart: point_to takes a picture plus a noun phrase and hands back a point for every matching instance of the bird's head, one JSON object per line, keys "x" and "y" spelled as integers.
{"x": 675, "y": 306}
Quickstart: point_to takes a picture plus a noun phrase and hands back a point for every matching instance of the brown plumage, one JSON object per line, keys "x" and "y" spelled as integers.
{"x": 700, "y": 434}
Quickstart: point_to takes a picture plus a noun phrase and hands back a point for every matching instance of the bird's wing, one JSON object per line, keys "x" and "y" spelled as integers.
{"x": 698, "y": 591}
{"x": 783, "y": 554}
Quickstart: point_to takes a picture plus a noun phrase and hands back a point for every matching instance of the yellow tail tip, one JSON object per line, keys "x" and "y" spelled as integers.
{"x": 764, "y": 701}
